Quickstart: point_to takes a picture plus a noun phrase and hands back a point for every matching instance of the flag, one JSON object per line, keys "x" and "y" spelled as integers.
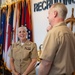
{"x": 23, "y": 13}
{"x": 28, "y": 21}
{"x": 10, "y": 32}
{"x": 16, "y": 20}
{"x": 11, "y": 19}
{"x": 7, "y": 39}
{"x": 4, "y": 37}
{"x": 2, "y": 25}
{"x": 14, "y": 23}
{"x": 20, "y": 22}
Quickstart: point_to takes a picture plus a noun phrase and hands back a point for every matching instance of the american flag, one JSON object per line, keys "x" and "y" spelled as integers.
{"x": 7, "y": 37}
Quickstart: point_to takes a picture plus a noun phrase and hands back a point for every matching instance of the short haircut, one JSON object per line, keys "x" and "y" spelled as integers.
{"x": 23, "y": 27}
{"x": 61, "y": 9}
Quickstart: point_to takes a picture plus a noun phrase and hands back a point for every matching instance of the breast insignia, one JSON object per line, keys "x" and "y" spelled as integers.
{"x": 28, "y": 48}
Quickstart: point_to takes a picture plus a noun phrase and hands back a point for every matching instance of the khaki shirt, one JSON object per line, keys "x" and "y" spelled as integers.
{"x": 22, "y": 55}
{"x": 59, "y": 48}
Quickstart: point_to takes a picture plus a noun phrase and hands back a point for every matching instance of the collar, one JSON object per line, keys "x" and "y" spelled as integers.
{"x": 19, "y": 42}
{"x": 60, "y": 24}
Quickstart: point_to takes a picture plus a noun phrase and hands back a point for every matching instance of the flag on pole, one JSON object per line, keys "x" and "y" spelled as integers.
{"x": 14, "y": 23}
{"x": 23, "y": 13}
{"x": 7, "y": 39}
{"x": 10, "y": 32}
{"x": 28, "y": 20}
{"x": 2, "y": 25}
{"x": 5, "y": 43}
{"x": 4, "y": 39}
{"x": 20, "y": 22}
{"x": 16, "y": 20}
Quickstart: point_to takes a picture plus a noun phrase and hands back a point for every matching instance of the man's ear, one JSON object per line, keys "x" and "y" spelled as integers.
{"x": 55, "y": 13}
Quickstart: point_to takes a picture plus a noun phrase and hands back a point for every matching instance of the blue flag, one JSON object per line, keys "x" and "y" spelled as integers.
{"x": 3, "y": 21}
{"x": 11, "y": 18}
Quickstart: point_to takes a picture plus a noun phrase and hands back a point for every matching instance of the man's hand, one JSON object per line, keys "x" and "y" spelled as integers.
{"x": 49, "y": 28}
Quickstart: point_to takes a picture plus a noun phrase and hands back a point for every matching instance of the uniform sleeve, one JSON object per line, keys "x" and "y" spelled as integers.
{"x": 34, "y": 53}
{"x": 50, "y": 47}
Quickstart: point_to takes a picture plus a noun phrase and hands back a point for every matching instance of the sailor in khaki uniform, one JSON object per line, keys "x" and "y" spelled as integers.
{"x": 58, "y": 56}
{"x": 23, "y": 55}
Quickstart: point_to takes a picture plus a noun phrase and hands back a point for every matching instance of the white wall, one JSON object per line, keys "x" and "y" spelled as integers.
{"x": 40, "y": 22}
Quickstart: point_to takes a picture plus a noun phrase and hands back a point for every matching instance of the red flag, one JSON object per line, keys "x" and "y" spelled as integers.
{"x": 28, "y": 21}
